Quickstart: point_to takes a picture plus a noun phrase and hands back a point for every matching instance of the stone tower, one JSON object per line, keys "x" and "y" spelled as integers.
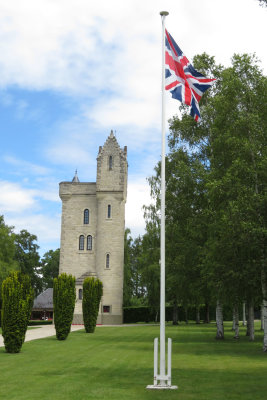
{"x": 92, "y": 230}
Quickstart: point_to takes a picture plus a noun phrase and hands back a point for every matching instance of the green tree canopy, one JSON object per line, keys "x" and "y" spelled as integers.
{"x": 50, "y": 267}
{"x": 231, "y": 143}
{"x": 7, "y": 251}
{"x": 27, "y": 256}
{"x": 216, "y": 198}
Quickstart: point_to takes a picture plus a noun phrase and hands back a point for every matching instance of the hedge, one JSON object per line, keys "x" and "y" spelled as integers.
{"x": 92, "y": 293}
{"x": 17, "y": 302}
{"x": 146, "y": 314}
{"x": 40, "y": 322}
{"x": 64, "y": 296}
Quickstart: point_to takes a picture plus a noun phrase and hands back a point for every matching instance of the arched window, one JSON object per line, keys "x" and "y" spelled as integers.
{"x": 89, "y": 242}
{"x": 107, "y": 260}
{"x": 110, "y": 162}
{"x": 86, "y": 216}
{"x": 80, "y": 294}
{"x": 109, "y": 211}
{"x": 81, "y": 242}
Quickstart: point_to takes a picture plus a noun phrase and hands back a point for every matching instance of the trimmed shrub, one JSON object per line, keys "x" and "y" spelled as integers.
{"x": 137, "y": 314}
{"x": 38, "y": 322}
{"x": 64, "y": 301}
{"x": 92, "y": 293}
{"x": 17, "y": 302}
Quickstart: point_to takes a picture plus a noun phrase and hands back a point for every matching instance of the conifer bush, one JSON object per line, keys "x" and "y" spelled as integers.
{"x": 64, "y": 301}
{"x": 17, "y": 302}
{"x": 92, "y": 293}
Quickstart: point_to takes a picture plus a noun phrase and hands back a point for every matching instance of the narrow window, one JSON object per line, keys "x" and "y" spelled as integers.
{"x": 109, "y": 211}
{"x": 86, "y": 216}
{"x": 81, "y": 242}
{"x": 89, "y": 242}
{"x": 110, "y": 162}
{"x": 107, "y": 260}
{"x": 80, "y": 294}
{"x": 106, "y": 309}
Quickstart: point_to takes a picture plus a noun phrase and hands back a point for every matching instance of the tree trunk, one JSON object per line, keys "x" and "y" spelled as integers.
{"x": 219, "y": 321}
{"x": 244, "y": 314}
{"x": 156, "y": 316}
{"x": 186, "y": 315}
{"x": 175, "y": 313}
{"x": 207, "y": 313}
{"x": 263, "y": 269}
{"x": 233, "y": 326}
{"x": 251, "y": 321}
{"x": 197, "y": 315}
{"x": 262, "y": 317}
{"x": 264, "y": 293}
{"x": 247, "y": 317}
{"x": 265, "y": 325}
{"x": 236, "y": 321}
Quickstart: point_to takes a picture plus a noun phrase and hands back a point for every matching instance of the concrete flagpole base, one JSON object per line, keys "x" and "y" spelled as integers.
{"x": 161, "y": 387}
{"x": 162, "y": 381}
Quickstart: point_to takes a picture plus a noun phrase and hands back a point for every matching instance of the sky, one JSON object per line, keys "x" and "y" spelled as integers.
{"x": 72, "y": 70}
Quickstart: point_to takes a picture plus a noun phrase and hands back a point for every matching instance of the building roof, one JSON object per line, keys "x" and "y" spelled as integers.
{"x": 75, "y": 178}
{"x": 44, "y": 300}
{"x": 79, "y": 281}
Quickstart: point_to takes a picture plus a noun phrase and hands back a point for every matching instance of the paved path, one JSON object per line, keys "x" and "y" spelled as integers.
{"x": 41, "y": 331}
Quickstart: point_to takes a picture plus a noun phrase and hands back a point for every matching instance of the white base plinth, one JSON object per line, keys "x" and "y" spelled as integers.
{"x": 161, "y": 387}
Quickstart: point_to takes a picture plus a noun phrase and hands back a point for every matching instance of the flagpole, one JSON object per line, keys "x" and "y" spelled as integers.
{"x": 162, "y": 224}
{"x": 161, "y": 377}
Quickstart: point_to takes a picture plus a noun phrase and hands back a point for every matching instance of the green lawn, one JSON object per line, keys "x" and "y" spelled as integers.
{"x": 117, "y": 363}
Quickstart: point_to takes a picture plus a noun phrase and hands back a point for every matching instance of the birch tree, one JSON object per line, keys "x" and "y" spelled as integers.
{"x": 231, "y": 140}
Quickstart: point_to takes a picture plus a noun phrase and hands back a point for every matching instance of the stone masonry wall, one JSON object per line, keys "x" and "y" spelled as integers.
{"x": 106, "y": 230}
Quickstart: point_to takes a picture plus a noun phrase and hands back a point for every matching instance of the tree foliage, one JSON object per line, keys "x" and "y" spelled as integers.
{"x": 127, "y": 276}
{"x": 19, "y": 251}
{"x": 230, "y": 143}
{"x": 134, "y": 288}
{"x": 7, "y": 251}
{"x": 49, "y": 267}
{"x": 216, "y": 198}
{"x": 27, "y": 256}
{"x": 17, "y": 295}
{"x": 64, "y": 301}
{"x": 92, "y": 293}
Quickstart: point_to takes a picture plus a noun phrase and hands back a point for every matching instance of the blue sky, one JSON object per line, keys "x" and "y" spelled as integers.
{"x": 72, "y": 70}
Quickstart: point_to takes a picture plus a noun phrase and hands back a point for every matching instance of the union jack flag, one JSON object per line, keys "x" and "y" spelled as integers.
{"x": 181, "y": 79}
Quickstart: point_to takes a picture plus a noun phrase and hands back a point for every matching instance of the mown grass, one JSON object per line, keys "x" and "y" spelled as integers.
{"x": 117, "y": 363}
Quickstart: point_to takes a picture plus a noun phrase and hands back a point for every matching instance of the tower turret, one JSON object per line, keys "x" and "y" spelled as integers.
{"x": 112, "y": 167}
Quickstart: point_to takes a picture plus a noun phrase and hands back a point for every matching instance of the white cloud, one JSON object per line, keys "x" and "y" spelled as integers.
{"x": 27, "y": 209}
{"x": 107, "y": 57}
{"x": 138, "y": 195}
{"x": 25, "y": 167}
{"x": 114, "y": 47}
{"x": 69, "y": 152}
{"x": 13, "y": 198}
{"x": 127, "y": 111}
{"x": 45, "y": 227}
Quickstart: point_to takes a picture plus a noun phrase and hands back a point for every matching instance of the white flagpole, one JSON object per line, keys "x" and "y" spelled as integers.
{"x": 162, "y": 221}
{"x": 163, "y": 378}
